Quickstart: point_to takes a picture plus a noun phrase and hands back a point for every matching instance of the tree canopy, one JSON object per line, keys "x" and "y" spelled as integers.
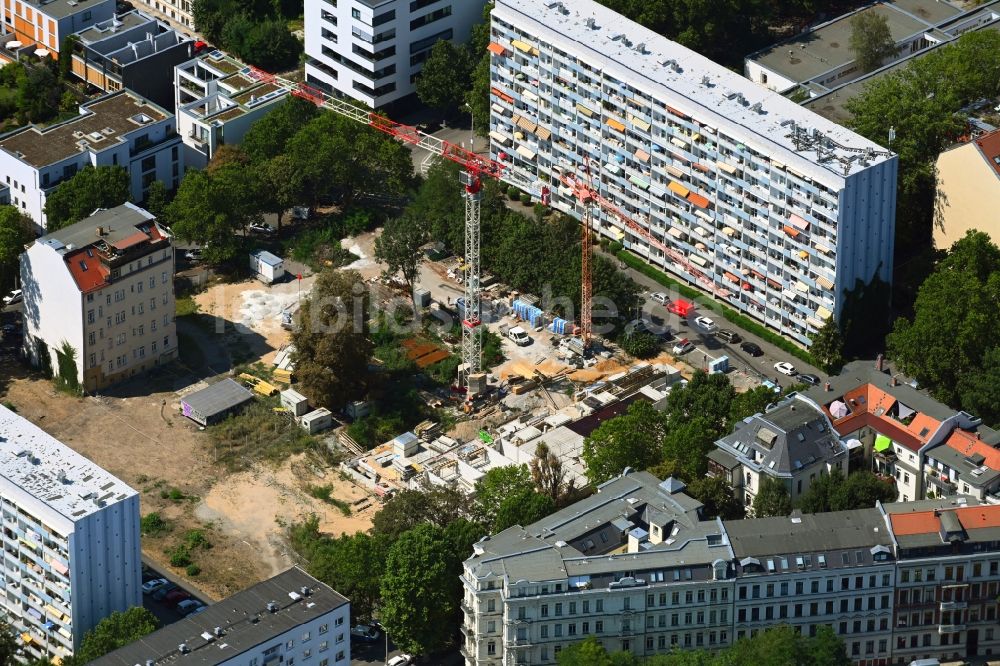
{"x": 255, "y": 31}
{"x": 16, "y": 230}
{"x": 871, "y": 40}
{"x": 634, "y": 439}
{"x": 835, "y": 492}
{"x": 115, "y": 631}
{"x": 444, "y": 78}
{"x": 828, "y": 346}
{"x": 772, "y": 498}
{"x": 86, "y": 191}
{"x": 399, "y": 247}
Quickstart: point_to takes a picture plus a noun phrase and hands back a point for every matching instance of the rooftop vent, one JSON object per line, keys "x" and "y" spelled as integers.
{"x": 591, "y": 23}
{"x": 217, "y": 631}
{"x": 272, "y": 607}
{"x": 305, "y": 591}
{"x": 141, "y": 119}
{"x": 183, "y": 648}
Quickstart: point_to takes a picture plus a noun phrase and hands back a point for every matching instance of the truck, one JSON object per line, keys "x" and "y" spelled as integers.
{"x": 519, "y": 336}
{"x": 266, "y": 267}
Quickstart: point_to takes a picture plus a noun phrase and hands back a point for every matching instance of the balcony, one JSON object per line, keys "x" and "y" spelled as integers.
{"x": 953, "y": 605}
{"x": 950, "y": 628}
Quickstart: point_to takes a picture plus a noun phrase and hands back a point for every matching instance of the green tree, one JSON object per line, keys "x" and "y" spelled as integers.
{"x": 772, "y": 499}
{"x": 871, "y": 41}
{"x": 979, "y": 392}
{"x": 267, "y": 44}
{"x": 88, "y": 190}
{"x": 707, "y": 396}
{"x": 15, "y": 233}
{"x": 748, "y": 403}
{"x": 282, "y": 188}
{"x": 717, "y": 496}
{"x": 496, "y": 486}
{"x": 9, "y": 644}
{"x": 418, "y": 605}
{"x": 115, "y": 631}
{"x": 634, "y": 439}
{"x": 548, "y": 474}
{"x": 828, "y": 346}
{"x": 268, "y": 137}
{"x": 353, "y": 564}
{"x": 524, "y": 508}
{"x": 438, "y": 506}
{"x": 68, "y": 371}
{"x": 399, "y": 247}
{"x": 444, "y": 78}
{"x": 38, "y": 93}
{"x": 640, "y": 344}
{"x": 688, "y": 441}
{"x": 66, "y": 63}
{"x": 157, "y": 199}
{"x": 588, "y": 652}
{"x": 332, "y": 348}
{"x": 860, "y": 491}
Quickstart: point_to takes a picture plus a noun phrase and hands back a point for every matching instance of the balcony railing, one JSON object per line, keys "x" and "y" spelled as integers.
{"x": 953, "y": 605}
{"x": 950, "y": 628}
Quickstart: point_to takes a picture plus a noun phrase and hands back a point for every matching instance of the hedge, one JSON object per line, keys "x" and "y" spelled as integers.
{"x": 729, "y": 314}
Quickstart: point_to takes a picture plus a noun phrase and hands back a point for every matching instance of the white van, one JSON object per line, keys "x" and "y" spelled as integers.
{"x": 519, "y": 336}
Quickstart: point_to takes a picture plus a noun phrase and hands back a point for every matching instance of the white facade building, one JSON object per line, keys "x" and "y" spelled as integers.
{"x": 773, "y": 209}
{"x": 118, "y": 129}
{"x": 70, "y": 540}
{"x": 291, "y": 618}
{"x": 104, "y": 286}
{"x": 372, "y": 50}
{"x": 176, "y": 12}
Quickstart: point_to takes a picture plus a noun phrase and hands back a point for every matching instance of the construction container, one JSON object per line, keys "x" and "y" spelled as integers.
{"x": 720, "y": 364}
{"x": 406, "y": 444}
{"x": 421, "y": 297}
{"x": 266, "y": 267}
{"x": 358, "y": 409}
{"x": 317, "y": 420}
{"x": 294, "y": 402}
{"x": 213, "y": 404}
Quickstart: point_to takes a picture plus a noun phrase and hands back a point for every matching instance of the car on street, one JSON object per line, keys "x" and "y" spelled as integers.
{"x": 260, "y": 228}
{"x": 400, "y": 660}
{"x": 194, "y": 254}
{"x": 365, "y": 633}
{"x": 188, "y": 606}
{"x": 660, "y": 297}
{"x": 15, "y": 296}
{"x": 164, "y": 591}
{"x": 810, "y": 379}
{"x": 679, "y": 307}
{"x": 785, "y": 368}
{"x": 727, "y": 335}
{"x": 683, "y": 346}
{"x": 705, "y": 324}
{"x": 151, "y": 586}
{"x": 176, "y": 596}
{"x": 752, "y": 348}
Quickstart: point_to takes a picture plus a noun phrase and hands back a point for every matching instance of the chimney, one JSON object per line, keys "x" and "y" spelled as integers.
{"x": 100, "y": 232}
{"x": 894, "y": 381}
{"x": 827, "y": 387}
{"x": 878, "y": 362}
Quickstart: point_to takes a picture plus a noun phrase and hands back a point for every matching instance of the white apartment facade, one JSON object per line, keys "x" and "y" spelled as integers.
{"x": 769, "y": 207}
{"x": 104, "y": 286}
{"x": 70, "y": 540}
{"x": 217, "y": 101}
{"x": 118, "y": 129}
{"x": 290, "y": 618}
{"x": 176, "y": 12}
{"x": 372, "y": 50}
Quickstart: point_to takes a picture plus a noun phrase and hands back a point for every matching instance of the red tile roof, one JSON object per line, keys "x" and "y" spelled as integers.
{"x": 88, "y": 271}
{"x": 134, "y": 239}
{"x": 926, "y": 522}
{"x": 968, "y": 444}
{"x": 989, "y": 146}
{"x": 870, "y": 406}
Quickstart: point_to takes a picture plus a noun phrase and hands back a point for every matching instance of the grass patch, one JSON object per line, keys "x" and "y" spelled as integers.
{"x": 259, "y": 433}
{"x": 173, "y": 494}
{"x": 185, "y": 305}
{"x": 152, "y": 524}
{"x": 729, "y": 314}
{"x": 323, "y": 493}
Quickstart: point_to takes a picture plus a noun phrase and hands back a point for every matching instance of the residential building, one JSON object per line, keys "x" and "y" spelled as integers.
{"x": 635, "y": 567}
{"x": 176, "y": 12}
{"x": 968, "y": 185}
{"x": 792, "y": 442}
{"x": 373, "y": 50}
{"x": 40, "y": 26}
{"x": 895, "y": 423}
{"x": 105, "y": 287}
{"x": 290, "y": 618}
{"x": 134, "y": 51}
{"x": 771, "y": 208}
{"x": 947, "y": 581}
{"x": 967, "y": 463}
{"x": 70, "y": 540}
{"x": 836, "y": 569}
{"x": 118, "y": 129}
{"x": 217, "y": 101}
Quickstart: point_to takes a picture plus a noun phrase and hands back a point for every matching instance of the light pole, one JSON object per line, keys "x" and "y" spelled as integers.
{"x": 472, "y": 117}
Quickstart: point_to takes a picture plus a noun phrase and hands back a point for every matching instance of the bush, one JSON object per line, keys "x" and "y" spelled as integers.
{"x": 153, "y": 524}
{"x": 540, "y": 210}
{"x": 196, "y": 539}
{"x": 640, "y": 345}
{"x": 513, "y": 193}
{"x": 614, "y": 247}
{"x": 525, "y": 198}
{"x": 192, "y": 570}
{"x": 180, "y": 556}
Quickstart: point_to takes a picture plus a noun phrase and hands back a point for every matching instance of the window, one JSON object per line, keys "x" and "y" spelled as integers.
{"x": 355, "y": 13}
{"x": 491, "y": 646}
{"x": 599, "y": 626}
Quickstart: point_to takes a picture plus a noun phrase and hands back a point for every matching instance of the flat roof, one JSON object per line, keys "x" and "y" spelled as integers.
{"x": 692, "y": 83}
{"x": 112, "y": 27}
{"x": 63, "y": 8}
{"x": 243, "y": 619}
{"x": 217, "y": 398}
{"x": 827, "y": 47}
{"x": 101, "y": 123}
{"x": 117, "y": 224}
{"x": 808, "y": 533}
{"x": 55, "y": 474}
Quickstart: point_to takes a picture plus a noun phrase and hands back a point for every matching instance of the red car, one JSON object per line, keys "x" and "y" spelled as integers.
{"x": 680, "y": 307}
{"x": 175, "y": 596}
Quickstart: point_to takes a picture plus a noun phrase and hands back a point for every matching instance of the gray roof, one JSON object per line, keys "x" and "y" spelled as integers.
{"x": 266, "y": 257}
{"x": 809, "y": 533}
{"x": 792, "y": 436}
{"x": 964, "y": 465}
{"x": 118, "y": 223}
{"x": 243, "y": 618}
{"x": 62, "y": 8}
{"x": 217, "y": 398}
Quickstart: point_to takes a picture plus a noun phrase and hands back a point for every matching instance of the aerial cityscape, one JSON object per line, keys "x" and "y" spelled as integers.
{"x": 500, "y": 332}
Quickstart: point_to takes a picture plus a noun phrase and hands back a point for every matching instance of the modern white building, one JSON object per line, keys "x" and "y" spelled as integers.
{"x": 105, "y": 287}
{"x": 176, "y": 12}
{"x": 217, "y": 102}
{"x": 28, "y": 26}
{"x": 291, "y": 618}
{"x": 372, "y": 50}
{"x": 769, "y": 207}
{"x": 118, "y": 129}
{"x": 70, "y": 540}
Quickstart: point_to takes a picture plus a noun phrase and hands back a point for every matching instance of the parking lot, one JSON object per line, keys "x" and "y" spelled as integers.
{"x": 157, "y": 602}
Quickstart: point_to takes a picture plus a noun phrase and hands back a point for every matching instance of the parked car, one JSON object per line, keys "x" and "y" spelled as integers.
{"x": 400, "y": 660}
{"x": 726, "y": 335}
{"x": 705, "y": 324}
{"x": 812, "y": 380}
{"x": 683, "y": 346}
{"x": 260, "y": 228}
{"x": 365, "y": 633}
{"x": 785, "y": 368}
{"x": 659, "y": 297}
{"x": 164, "y": 591}
{"x": 679, "y": 307}
{"x": 752, "y": 348}
{"x": 519, "y": 336}
{"x": 176, "y": 596}
{"x": 15, "y": 296}
{"x": 194, "y": 254}
{"x": 188, "y": 606}
{"x": 151, "y": 586}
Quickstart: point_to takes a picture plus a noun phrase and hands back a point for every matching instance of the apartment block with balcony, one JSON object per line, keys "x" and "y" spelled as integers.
{"x": 134, "y": 51}
{"x": 770, "y": 208}
{"x": 120, "y": 128}
{"x": 967, "y": 463}
{"x": 373, "y": 50}
{"x": 104, "y": 286}
{"x": 70, "y": 541}
{"x": 217, "y": 101}
{"x": 40, "y": 26}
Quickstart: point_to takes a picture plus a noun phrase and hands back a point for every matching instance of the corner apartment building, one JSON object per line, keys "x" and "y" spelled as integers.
{"x": 967, "y": 463}
{"x": 373, "y": 50}
{"x": 134, "y": 51}
{"x": 793, "y": 442}
{"x": 769, "y": 207}
{"x": 217, "y": 102}
{"x": 70, "y": 540}
{"x": 105, "y": 286}
{"x": 44, "y": 24}
{"x": 117, "y": 129}
{"x": 290, "y": 618}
